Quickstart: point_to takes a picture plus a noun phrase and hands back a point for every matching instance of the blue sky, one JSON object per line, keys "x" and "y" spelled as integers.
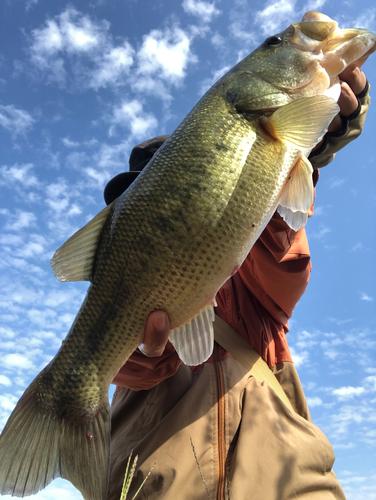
{"x": 80, "y": 84}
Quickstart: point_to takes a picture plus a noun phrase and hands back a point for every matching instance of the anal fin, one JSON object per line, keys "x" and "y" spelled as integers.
{"x": 194, "y": 340}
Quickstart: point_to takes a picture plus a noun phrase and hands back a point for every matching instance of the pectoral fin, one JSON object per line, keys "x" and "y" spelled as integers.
{"x": 298, "y": 195}
{"x": 302, "y": 123}
{"x": 194, "y": 340}
{"x": 74, "y": 260}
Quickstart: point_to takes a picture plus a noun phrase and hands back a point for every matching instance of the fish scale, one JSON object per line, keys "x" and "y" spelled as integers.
{"x": 173, "y": 238}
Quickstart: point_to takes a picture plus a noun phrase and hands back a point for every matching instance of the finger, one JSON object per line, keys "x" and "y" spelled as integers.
{"x": 156, "y": 334}
{"x": 355, "y": 78}
{"x": 347, "y": 102}
{"x": 336, "y": 124}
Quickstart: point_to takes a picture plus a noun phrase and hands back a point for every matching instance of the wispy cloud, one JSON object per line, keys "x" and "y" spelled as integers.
{"x": 74, "y": 49}
{"x": 358, "y": 246}
{"x": 17, "y": 121}
{"x": 4, "y": 380}
{"x": 19, "y": 175}
{"x": 320, "y": 233}
{"x": 166, "y": 54}
{"x": 314, "y": 401}
{"x": 274, "y": 16}
{"x": 205, "y": 11}
{"x": 131, "y": 115}
{"x": 366, "y": 297}
{"x": 112, "y": 67}
{"x": 336, "y": 183}
{"x": 367, "y": 19}
{"x": 208, "y": 82}
{"x": 18, "y": 361}
{"x": 300, "y": 357}
{"x": 20, "y": 220}
{"x": 348, "y": 392}
{"x": 72, "y": 35}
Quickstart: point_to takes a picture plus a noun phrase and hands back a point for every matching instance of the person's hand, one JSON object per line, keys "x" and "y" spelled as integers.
{"x": 353, "y": 82}
{"x": 156, "y": 334}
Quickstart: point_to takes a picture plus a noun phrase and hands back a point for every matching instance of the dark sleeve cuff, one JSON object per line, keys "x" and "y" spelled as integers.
{"x": 352, "y": 128}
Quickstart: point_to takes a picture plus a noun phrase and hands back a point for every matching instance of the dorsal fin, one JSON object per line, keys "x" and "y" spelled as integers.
{"x": 74, "y": 260}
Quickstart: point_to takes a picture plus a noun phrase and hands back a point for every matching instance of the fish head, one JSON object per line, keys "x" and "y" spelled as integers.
{"x": 302, "y": 61}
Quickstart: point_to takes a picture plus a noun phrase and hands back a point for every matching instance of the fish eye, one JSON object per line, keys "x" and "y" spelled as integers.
{"x": 272, "y": 41}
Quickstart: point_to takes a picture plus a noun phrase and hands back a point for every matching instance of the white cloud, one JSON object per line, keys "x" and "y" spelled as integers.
{"x": 367, "y": 19}
{"x": 70, "y": 31}
{"x": 209, "y": 82}
{"x": 275, "y": 15}
{"x": 330, "y": 348}
{"x": 237, "y": 30}
{"x": 165, "y": 54}
{"x": 343, "y": 446}
{"x": 16, "y": 121}
{"x": 306, "y": 340}
{"x": 348, "y": 392}
{"x": 299, "y": 358}
{"x": 149, "y": 85}
{"x": 73, "y": 49}
{"x": 367, "y": 298}
{"x": 315, "y": 401}
{"x": 314, "y": 5}
{"x": 22, "y": 220}
{"x": 336, "y": 183}
{"x": 99, "y": 177}
{"x": 86, "y": 44}
{"x": 356, "y": 247}
{"x": 320, "y": 233}
{"x": 6, "y": 332}
{"x": 35, "y": 246}
{"x": 132, "y": 116}
{"x": 203, "y": 10}
{"x": 19, "y": 174}
{"x": 41, "y": 317}
{"x": 70, "y": 144}
{"x": 4, "y": 380}
{"x": 112, "y": 66}
{"x": 58, "y": 197}
{"x": 218, "y": 41}
{"x": 30, "y": 3}
{"x": 18, "y": 361}
{"x": 113, "y": 156}
{"x": 370, "y": 382}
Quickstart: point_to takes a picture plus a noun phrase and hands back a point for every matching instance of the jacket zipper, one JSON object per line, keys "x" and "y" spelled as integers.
{"x": 221, "y": 442}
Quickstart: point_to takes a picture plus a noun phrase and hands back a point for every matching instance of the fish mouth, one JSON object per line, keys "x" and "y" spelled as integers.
{"x": 333, "y": 48}
{"x": 304, "y": 60}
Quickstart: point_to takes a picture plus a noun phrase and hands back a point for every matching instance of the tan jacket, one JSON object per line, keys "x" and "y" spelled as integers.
{"x": 220, "y": 435}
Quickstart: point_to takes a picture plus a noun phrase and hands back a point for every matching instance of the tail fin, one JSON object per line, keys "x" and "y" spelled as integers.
{"x": 39, "y": 444}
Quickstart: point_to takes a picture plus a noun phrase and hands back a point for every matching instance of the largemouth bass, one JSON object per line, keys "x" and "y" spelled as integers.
{"x": 173, "y": 238}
